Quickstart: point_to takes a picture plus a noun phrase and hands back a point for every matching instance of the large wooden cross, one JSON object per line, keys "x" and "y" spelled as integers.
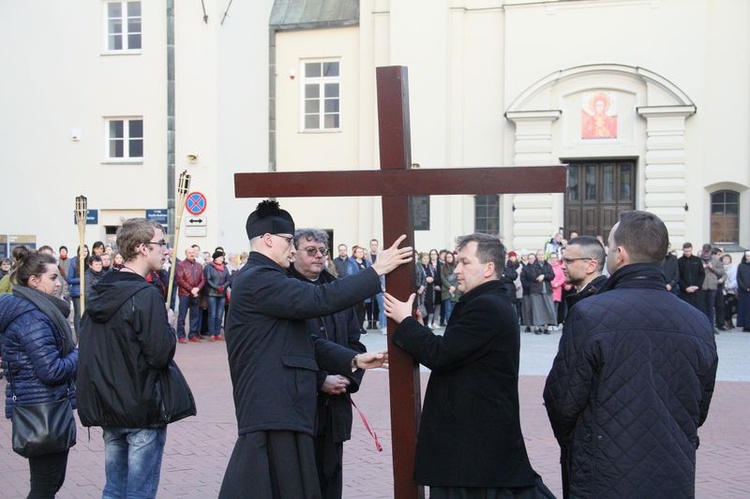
{"x": 395, "y": 182}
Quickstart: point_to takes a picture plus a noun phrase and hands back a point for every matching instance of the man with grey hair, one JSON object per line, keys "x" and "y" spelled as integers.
{"x": 334, "y": 422}
{"x": 633, "y": 377}
{"x": 474, "y": 381}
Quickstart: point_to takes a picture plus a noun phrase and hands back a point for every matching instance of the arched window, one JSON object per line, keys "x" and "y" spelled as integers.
{"x": 487, "y": 214}
{"x": 725, "y": 217}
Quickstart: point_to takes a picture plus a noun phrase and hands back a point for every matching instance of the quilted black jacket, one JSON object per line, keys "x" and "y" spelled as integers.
{"x": 631, "y": 384}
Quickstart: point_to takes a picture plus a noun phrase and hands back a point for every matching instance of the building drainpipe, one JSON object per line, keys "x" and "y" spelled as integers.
{"x": 170, "y": 119}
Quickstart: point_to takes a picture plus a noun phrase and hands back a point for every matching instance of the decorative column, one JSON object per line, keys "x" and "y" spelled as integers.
{"x": 664, "y": 181}
{"x": 535, "y": 216}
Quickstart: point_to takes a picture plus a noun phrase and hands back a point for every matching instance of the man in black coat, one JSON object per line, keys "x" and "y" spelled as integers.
{"x": 692, "y": 275}
{"x": 334, "y": 423}
{"x": 633, "y": 377}
{"x": 470, "y": 442}
{"x": 274, "y": 362}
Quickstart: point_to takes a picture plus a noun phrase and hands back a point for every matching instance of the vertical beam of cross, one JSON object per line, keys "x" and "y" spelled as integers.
{"x": 395, "y": 154}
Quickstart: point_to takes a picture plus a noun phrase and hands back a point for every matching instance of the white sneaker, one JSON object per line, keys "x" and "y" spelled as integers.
{"x": 384, "y": 331}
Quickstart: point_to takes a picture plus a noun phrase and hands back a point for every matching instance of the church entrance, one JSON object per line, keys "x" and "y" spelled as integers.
{"x": 599, "y": 190}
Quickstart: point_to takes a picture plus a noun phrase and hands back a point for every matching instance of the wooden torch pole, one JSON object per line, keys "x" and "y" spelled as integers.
{"x": 183, "y": 186}
{"x": 81, "y": 213}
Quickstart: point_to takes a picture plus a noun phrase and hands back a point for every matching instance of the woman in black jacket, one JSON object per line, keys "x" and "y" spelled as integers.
{"x": 40, "y": 358}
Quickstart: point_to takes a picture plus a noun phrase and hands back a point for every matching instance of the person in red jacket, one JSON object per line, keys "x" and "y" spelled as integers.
{"x": 190, "y": 282}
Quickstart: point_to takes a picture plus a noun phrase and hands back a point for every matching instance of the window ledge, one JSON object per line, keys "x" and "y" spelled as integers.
{"x": 120, "y": 52}
{"x": 322, "y": 130}
{"x": 122, "y": 162}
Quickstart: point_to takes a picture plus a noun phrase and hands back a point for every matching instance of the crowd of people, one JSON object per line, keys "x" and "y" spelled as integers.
{"x": 293, "y": 336}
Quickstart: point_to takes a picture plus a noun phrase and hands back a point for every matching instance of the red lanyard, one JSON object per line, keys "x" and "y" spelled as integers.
{"x": 367, "y": 427}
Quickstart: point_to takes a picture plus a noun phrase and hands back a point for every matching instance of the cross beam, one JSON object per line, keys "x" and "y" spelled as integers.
{"x": 395, "y": 182}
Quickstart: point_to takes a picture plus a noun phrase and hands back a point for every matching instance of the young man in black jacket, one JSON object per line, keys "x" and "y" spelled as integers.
{"x": 125, "y": 343}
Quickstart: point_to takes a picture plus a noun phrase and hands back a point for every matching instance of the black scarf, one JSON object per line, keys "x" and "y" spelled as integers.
{"x": 54, "y": 308}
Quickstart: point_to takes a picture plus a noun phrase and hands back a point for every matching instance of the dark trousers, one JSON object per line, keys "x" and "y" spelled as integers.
{"x": 189, "y": 304}
{"x": 730, "y": 308}
{"x": 709, "y": 301}
{"x": 47, "y": 475}
{"x": 372, "y": 312}
{"x": 329, "y": 457}
{"x": 719, "y": 308}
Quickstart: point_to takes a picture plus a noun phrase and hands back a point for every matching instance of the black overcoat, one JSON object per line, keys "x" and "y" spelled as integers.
{"x": 470, "y": 432}
{"x": 273, "y": 360}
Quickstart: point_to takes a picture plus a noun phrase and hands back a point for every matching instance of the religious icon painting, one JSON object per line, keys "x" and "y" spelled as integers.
{"x": 598, "y": 115}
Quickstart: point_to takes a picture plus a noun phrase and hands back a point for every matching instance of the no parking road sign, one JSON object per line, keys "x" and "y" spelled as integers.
{"x": 195, "y": 203}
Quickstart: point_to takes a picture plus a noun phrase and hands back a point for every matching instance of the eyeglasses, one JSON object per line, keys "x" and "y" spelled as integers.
{"x": 568, "y": 261}
{"x": 312, "y": 251}
{"x": 161, "y": 243}
{"x": 286, "y": 238}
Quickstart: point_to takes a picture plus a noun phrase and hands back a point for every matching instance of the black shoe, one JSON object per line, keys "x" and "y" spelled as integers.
{"x": 363, "y": 331}
{"x": 537, "y": 330}
{"x": 527, "y": 330}
{"x": 746, "y": 329}
{"x": 546, "y": 331}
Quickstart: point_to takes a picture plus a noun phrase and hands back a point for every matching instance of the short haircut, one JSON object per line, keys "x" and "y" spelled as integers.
{"x": 46, "y": 247}
{"x": 94, "y": 259}
{"x": 132, "y": 234}
{"x": 687, "y": 245}
{"x": 316, "y": 235}
{"x": 591, "y": 247}
{"x": 62, "y": 248}
{"x": 643, "y": 235}
{"x": 489, "y": 249}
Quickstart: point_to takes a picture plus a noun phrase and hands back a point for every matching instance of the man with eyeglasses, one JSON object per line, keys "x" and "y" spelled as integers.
{"x": 126, "y": 347}
{"x": 274, "y": 361}
{"x": 582, "y": 264}
{"x": 334, "y": 421}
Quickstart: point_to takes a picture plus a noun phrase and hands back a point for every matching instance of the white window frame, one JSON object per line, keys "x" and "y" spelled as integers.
{"x": 321, "y": 82}
{"x": 126, "y": 139}
{"x": 124, "y": 22}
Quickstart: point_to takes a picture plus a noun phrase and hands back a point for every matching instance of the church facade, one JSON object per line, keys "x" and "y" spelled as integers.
{"x": 645, "y": 100}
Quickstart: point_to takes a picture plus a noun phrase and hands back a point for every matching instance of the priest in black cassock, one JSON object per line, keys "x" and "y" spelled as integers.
{"x": 274, "y": 362}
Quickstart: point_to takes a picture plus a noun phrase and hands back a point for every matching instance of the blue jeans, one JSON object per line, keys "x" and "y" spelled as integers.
{"x": 189, "y": 304}
{"x": 448, "y": 307}
{"x": 132, "y": 461}
{"x": 215, "y": 312}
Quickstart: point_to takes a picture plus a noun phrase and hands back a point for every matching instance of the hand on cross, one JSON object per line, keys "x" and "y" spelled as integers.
{"x": 396, "y": 309}
{"x": 393, "y": 257}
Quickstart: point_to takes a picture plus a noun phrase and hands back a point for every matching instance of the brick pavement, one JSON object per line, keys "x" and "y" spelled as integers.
{"x": 198, "y": 448}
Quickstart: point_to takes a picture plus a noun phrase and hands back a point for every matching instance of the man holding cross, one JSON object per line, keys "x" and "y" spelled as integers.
{"x": 274, "y": 361}
{"x": 470, "y": 443}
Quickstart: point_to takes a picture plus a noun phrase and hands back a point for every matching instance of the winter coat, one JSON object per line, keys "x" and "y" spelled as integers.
{"x": 273, "y": 360}
{"x": 343, "y": 328}
{"x": 125, "y": 342}
{"x": 529, "y": 274}
{"x": 629, "y": 387}
{"x": 470, "y": 431}
{"x": 217, "y": 279}
{"x": 33, "y": 356}
{"x": 189, "y": 275}
{"x": 73, "y": 278}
